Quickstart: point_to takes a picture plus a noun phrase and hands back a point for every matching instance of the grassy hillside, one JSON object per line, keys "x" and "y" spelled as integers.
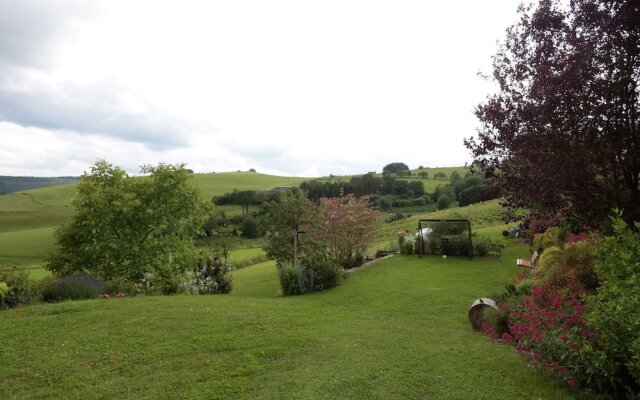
{"x": 9, "y": 184}
{"x": 219, "y": 183}
{"x": 395, "y": 330}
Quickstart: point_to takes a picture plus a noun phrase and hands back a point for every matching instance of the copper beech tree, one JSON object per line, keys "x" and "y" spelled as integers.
{"x": 560, "y": 136}
{"x": 337, "y": 228}
{"x": 345, "y": 227}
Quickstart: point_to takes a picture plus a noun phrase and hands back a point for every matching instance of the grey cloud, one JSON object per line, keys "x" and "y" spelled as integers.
{"x": 29, "y": 33}
{"x": 94, "y": 109}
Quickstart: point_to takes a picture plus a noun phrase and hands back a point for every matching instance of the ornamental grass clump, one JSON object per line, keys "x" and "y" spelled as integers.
{"x": 572, "y": 261}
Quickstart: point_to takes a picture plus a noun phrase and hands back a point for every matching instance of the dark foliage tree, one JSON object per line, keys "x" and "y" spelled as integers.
{"x": 439, "y": 175}
{"x": 560, "y": 136}
{"x": 395, "y": 168}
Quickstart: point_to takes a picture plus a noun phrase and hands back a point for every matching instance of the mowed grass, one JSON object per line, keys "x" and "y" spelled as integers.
{"x": 26, "y": 248}
{"x": 395, "y": 330}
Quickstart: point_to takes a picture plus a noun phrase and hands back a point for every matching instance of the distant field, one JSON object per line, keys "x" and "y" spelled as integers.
{"x": 27, "y": 248}
{"x": 219, "y": 183}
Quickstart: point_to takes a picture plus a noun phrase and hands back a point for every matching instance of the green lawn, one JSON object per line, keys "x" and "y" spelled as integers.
{"x": 396, "y": 330}
{"x": 25, "y": 248}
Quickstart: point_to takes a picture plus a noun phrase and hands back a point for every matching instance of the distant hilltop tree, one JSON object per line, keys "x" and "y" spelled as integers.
{"x": 252, "y": 170}
{"x": 396, "y": 168}
{"x": 439, "y": 175}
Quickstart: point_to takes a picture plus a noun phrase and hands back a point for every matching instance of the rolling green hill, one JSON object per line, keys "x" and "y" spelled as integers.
{"x": 10, "y": 184}
{"x": 28, "y": 218}
{"x": 216, "y": 184}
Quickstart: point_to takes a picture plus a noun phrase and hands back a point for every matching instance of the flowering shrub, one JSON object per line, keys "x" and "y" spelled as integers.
{"x": 343, "y": 227}
{"x": 549, "y": 329}
{"x": 485, "y": 247}
{"x": 589, "y": 338}
{"x": 210, "y": 277}
{"x": 580, "y": 237}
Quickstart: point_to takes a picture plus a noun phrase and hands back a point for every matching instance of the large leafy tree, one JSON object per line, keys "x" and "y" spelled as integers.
{"x": 560, "y": 136}
{"x": 125, "y": 226}
{"x": 290, "y": 213}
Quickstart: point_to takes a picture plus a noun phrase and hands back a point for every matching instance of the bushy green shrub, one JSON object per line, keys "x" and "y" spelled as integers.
{"x": 573, "y": 261}
{"x": 450, "y": 245}
{"x": 319, "y": 274}
{"x": 406, "y": 243}
{"x": 20, "y": 290}
{"x": 354, "y": 262}
{"x": 444, "y": 201}
{"x": 121, "y": 285}
{"x": 546, "y": 239}
{"x": 162, "y": 281}
{"x": 485, "y": 247}
{"x": 290, "y": 278}
{"x": 614, "y": 313}
{"x": 312, "y": 275}
{"x": 74, "y": 287}
{"x": 249, "y": 228}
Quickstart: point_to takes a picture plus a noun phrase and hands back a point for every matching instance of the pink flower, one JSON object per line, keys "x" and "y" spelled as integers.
{"x": 120, "y": 295}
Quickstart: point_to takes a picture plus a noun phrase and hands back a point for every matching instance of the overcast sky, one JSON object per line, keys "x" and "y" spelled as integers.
{"x": 297, "y": 87}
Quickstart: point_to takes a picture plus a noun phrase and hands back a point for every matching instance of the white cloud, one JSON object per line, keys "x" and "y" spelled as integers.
{"x": 303, "y": 88}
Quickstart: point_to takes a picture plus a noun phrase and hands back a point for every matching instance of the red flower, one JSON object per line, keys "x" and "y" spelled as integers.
{"x": 571, "y": 382}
